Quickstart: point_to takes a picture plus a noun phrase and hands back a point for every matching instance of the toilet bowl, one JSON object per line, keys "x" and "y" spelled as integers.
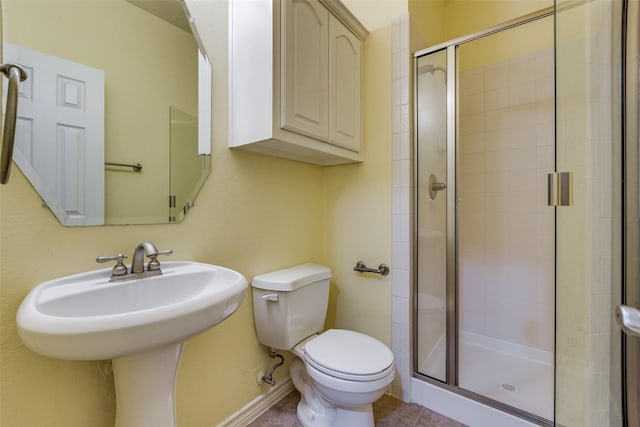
{"x": 342, "y": 373}
{"x": 339, "y": 373}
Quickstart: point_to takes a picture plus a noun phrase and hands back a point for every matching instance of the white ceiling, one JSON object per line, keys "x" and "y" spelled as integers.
{"x": 170, "y": 11}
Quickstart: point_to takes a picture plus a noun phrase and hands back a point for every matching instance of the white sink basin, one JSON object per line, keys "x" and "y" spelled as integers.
{"x": 140, "y": 324}
{"x": 86, "y": 317}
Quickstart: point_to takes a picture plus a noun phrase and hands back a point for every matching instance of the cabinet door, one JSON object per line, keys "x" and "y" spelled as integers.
{"x": 304, "y": 68}
{"x": 344, "y": 87}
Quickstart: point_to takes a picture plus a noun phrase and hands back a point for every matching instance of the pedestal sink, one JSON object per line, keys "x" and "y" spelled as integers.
{"x": 141, "y": 324}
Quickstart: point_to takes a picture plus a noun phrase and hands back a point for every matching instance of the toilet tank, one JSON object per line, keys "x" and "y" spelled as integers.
{"x": 291, "y": 304}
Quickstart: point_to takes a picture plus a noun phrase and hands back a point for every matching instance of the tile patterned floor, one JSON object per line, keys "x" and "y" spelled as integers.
{"x": 387, "y": 411}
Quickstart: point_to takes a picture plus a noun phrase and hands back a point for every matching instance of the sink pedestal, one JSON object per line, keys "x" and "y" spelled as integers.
{"x": 145, "y": 387}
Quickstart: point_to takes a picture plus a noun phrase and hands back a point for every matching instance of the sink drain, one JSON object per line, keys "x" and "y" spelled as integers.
{"x": 508, "y": 387}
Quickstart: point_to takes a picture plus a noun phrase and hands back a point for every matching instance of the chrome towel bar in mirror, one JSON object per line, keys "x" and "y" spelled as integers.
{"x": 15, "y": 74}
{"x": 137, "y": 167}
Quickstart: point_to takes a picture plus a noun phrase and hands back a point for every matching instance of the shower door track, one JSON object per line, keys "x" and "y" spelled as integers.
{"x": 452, "y": 261}
{"x": 528, "y": 416}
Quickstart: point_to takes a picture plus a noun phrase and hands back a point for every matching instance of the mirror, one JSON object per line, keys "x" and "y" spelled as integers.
{"x": 110, "y": 127}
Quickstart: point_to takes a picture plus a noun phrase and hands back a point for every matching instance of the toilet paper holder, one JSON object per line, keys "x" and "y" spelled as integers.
{"x": 383, "y": 269}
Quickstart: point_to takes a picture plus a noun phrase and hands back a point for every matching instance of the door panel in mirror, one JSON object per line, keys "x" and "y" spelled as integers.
{"x": 60, "y": 136}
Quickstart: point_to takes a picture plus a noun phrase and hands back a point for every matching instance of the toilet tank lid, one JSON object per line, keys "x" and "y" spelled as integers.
{"x": 291, "y": 278}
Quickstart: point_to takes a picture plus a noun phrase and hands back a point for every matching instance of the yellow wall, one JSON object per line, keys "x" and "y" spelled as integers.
{"x": 442, "y": 20}
{"x": 358, "y": 206}
{"x": 532, "y": 37}
{"x": 357, "y": 198}
{"x": 138, "y": 53}
{"x": 254, "y": 214}
{"x": 428, "y": 18}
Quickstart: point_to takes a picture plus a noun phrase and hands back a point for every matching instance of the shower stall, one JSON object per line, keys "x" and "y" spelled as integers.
{"x": 525, "y": 215}
{"x": 485, "y": 239}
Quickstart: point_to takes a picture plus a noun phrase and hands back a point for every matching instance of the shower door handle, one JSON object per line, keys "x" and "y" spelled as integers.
{"x": 629, "y": 319}
{"x": 560, "y": 189}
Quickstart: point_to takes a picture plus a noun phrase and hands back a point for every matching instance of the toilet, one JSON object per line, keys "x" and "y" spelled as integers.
{"x": 339, "y": 373}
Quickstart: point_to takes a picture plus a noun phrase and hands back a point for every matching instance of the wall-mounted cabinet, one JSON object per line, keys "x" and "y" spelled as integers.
{"x": 295, "y": 80}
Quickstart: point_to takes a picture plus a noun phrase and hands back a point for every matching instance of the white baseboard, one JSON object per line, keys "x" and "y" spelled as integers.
{"x": 259, "y": 405}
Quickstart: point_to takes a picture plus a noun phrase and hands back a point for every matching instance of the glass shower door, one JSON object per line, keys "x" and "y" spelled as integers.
{"x": 506, "y": 229}
{"x": 432, "y": 218}
{"x": 597, "y": 120}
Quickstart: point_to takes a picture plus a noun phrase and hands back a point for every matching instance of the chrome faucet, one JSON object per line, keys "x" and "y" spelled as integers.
{"x": 137, "y": 260}
{"x": 144, "y": 249}
{"x": 150, "y": 250}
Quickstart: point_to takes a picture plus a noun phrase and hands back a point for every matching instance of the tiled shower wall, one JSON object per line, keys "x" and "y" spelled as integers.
{"x": 401, "y": 312}
{"x": 506, "y": 230}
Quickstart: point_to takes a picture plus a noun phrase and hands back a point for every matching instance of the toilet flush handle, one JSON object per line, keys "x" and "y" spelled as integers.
{"x": 270, "y": 297}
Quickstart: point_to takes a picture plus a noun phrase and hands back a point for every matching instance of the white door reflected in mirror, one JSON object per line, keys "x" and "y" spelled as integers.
{"x": 59, "y": 143}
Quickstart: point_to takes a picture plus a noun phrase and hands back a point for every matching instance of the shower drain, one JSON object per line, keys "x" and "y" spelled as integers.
{"x": 508, "y": 387}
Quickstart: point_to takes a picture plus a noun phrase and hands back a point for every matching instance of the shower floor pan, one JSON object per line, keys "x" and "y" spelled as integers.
{"x": 510, "y": 373}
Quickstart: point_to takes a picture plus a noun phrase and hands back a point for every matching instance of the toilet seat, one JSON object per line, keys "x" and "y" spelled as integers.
{"x": 349, "y": 355}
{"x": 325, "y": 381}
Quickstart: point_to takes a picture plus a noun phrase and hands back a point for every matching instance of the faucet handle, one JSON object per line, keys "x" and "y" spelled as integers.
{"x": 119, "y": 269}
{"x": 154, "y": 264}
